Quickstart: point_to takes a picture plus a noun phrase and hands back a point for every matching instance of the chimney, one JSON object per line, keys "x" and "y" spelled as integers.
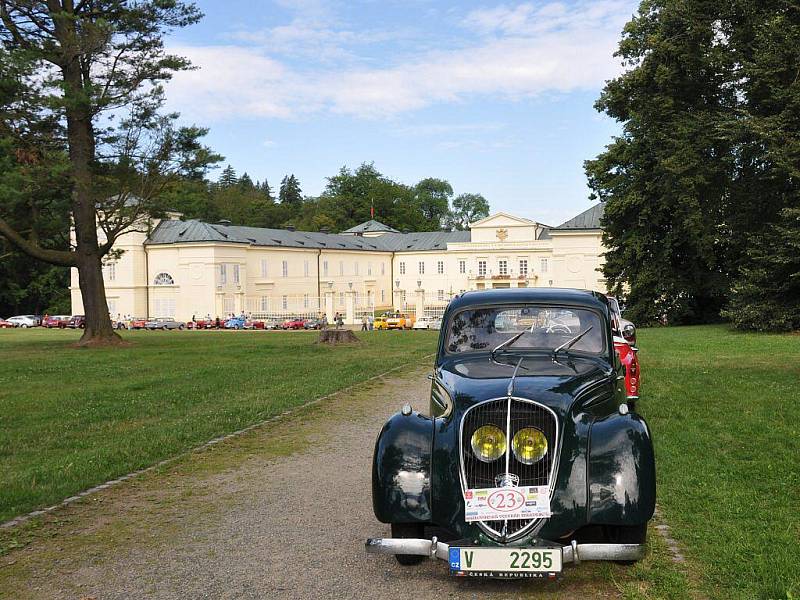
{"x": 324, "y": 230}
{"x": 224, "y": 222}
{"x": 291, "y": 227}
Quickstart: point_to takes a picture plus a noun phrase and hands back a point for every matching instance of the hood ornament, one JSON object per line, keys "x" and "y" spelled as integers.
{"x": 506, "y": 480}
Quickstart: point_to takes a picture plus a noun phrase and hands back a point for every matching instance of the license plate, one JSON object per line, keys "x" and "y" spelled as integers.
{"x": 505, "y": 562}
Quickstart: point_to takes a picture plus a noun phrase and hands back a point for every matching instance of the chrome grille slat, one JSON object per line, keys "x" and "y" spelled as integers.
{"x": 477, "y": 474}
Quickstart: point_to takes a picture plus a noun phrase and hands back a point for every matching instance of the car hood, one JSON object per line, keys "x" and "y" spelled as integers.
{"x": 554, "y": 384}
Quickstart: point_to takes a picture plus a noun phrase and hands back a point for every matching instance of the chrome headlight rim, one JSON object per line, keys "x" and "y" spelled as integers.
{"x": 502, "y": 444}
{"x": 518, "y": 453}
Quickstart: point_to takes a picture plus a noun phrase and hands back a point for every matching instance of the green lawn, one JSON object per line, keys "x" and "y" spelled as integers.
{"x": 724, "y": 408}
{"x": 70, "y": 419}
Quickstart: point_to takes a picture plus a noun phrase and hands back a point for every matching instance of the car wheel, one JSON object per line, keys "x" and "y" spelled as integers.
{"x": 626, "y": 534}
{"x": 408, "y": 530}
{"x": 180, "y": 327}
{"x": 24, "y": 326}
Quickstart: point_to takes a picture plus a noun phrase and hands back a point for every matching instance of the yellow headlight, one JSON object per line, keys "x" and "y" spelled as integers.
{"x": 529, "y": 445}
{"x": 488, "y": 443}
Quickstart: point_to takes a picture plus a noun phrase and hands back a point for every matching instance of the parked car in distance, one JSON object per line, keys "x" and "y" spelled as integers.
{"x": 138, "y": 323}
{"x": 238, "y": 323}
{"x": 272, "y": 324}
{"x": 293, "y": 323}
{"x": 164, "y": 323}
{"x": 380, "y": 323}
{"x": 77, "y": 322}
{"x": 4, "y": 324}
{"x": 630, "y": 360}
{"x": 312, "y": 324}
{"x": 23, "y": 321}
{"x": 399, "y": 321}
{"x": 435, "y": 324}
{"x": 422, "y": 323}
{"x": 528, "y": 455}
{"x": 58, "y": 321}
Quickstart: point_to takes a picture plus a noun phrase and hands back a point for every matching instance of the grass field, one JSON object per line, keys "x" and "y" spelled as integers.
{"x": 70, "y": 419}
{"x": 724, "y": 408}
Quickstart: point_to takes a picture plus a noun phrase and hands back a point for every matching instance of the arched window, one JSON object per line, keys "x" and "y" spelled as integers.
{"x": 163, "y": 279}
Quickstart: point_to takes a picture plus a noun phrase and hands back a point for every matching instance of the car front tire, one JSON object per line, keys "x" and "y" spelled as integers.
{"x": 408, "y": 530}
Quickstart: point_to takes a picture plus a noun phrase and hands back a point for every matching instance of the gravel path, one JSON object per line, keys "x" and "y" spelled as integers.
{"x": 267, "y": 517}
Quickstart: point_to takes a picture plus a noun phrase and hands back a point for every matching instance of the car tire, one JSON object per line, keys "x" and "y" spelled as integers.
{"x": 180, "y": 327}
{"x": 626, "y": 534}
{"x": 24, "y": 325}
{"x": 408, "y": 530}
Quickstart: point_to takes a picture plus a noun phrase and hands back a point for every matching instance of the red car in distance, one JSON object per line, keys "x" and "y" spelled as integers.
{"x": 59, "y": 321}
{"x": 6, "y": 324}
{"x": 293, "y": 323}
{"x": 138, "y": 323}
{"x": 627, "y": 356}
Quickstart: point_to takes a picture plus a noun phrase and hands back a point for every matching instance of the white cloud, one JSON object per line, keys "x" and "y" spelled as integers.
{"x": 520, "y": 51}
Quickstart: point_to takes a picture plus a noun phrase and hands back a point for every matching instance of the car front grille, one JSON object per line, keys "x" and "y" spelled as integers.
{"x": 476, "y": 474}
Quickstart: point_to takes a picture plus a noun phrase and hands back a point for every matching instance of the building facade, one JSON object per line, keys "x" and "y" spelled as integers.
{"x": 191, "y": 268}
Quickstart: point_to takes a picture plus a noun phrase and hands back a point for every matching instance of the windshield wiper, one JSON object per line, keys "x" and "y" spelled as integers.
{"x": 568, "y": 344}
{"x": 511, "y": 340}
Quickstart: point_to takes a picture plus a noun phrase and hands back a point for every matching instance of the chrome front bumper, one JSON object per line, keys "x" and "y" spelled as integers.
{"x": 572, "y": 554}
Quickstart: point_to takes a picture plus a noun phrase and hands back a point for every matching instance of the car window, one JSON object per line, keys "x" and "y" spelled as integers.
{"x": 546, "y": 327}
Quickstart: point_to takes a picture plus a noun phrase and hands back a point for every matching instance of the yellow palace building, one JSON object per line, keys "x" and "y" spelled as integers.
{"x": 191, "y": 268}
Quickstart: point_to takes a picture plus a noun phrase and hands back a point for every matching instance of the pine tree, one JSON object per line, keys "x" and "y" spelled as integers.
{"x": 290, "y": 192}
{"x": 245, "y": 183}
{"x": 264, "y": 188}
{"x": 227, "y": 178}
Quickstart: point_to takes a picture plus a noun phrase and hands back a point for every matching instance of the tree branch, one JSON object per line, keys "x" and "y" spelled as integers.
{"x": 62, "y": 258}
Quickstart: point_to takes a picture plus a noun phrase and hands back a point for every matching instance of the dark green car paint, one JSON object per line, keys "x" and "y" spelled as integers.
{"x": 606, "y": 468}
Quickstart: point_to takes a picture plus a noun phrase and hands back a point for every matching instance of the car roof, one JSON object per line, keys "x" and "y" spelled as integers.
{"x": 563, "y": 296}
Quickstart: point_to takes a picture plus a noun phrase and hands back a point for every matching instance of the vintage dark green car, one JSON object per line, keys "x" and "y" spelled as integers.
{"x": 528, "y": 457}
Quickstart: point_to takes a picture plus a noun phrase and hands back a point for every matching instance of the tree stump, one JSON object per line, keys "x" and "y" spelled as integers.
{"x": 337, "y": 336}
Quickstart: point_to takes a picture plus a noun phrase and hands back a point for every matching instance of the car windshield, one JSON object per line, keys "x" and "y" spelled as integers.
{"x": 545, "y": 327}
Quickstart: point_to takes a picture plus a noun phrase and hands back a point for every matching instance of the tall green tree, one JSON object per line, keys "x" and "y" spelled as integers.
{"x": 467, "y": 208}
{"x": 433, "y": 198}
{"x": 80, "y": 62}
{"x": 664, "y": 180}
{"x": 290, "y": 192}
{"x": 228, "y": 177}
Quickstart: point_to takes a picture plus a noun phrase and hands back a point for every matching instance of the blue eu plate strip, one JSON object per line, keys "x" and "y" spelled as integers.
{"x": 455, "y": 559}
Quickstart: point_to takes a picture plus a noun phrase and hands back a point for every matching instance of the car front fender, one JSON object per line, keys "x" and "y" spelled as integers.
{"x": 401, "y": 469}
{"x": 622, "y": 471}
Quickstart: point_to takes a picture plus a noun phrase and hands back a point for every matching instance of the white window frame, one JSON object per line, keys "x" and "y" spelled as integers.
{"x": 440, "y": 267}
{"x": 402, "y": 268}
{"x": 502, "y": 266}
{"x": 305, "y": 268}
{"x": 285, "y": 268}
{"x": 223, "y": 273}
{"x": 481, "y": 268}
{"x": 422, "y": 267}
{"x": 264, "y": 268}
{"x": 236, "y": 274}
{"x": 325, "y": 268}
{"x": 462, "y": 266}
{"x": 543, "y": 264}
{"x": 523, "y": 266}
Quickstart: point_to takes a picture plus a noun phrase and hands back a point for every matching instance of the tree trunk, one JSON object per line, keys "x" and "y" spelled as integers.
{"x": 98, "y": 329}
{"x": 81, "y": 142}
{"x": 337, "y": 336}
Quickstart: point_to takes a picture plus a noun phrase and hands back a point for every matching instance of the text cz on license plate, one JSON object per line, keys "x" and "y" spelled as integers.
{"x": 505, "y": 562}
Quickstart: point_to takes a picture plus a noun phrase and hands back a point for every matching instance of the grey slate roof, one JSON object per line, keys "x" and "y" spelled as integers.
{"x": 588, "y": 219}
{"x": 176, "y": 232}
{"x": 370, "y": 226}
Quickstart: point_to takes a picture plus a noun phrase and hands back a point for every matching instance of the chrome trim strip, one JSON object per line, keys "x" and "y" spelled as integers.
{"x": 534, "y": 524}
{"x": 573, "y": 554}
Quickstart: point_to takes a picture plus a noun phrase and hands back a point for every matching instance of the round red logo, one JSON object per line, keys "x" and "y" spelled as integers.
{"x": 506, "y": 500}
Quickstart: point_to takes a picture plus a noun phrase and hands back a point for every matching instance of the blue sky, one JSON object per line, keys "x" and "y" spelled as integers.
{"x": 494, "y": 97}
